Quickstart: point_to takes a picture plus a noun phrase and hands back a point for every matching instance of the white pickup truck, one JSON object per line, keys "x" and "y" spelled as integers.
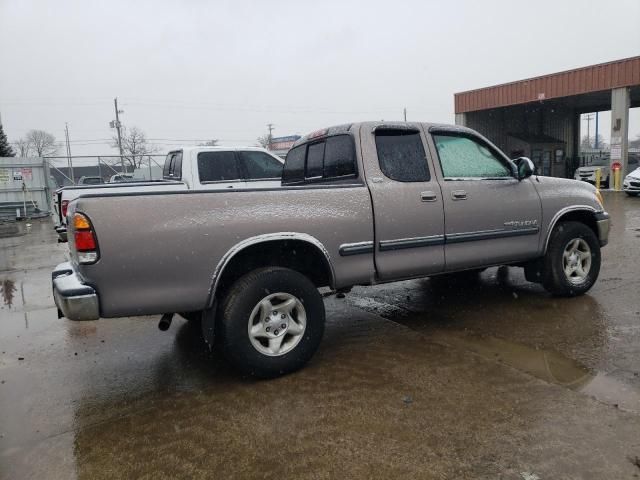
{"x": 189, "y": 168}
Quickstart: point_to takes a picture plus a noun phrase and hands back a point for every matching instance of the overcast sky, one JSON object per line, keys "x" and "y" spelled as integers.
{"x": 189, "y": 71}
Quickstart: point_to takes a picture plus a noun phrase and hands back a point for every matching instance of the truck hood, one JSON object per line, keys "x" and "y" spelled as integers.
{"x": 558, "y": 193}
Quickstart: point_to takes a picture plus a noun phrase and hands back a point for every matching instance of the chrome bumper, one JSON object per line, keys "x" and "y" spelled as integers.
{"x": 74, "y": 299}
{"x": 603, "y": 223}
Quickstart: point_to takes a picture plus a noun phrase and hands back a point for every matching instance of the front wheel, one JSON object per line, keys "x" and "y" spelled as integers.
{"x": 272, "y": 322}
{"x": 572, "y": 261}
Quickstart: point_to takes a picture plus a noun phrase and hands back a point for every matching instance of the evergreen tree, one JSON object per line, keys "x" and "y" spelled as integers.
{"x": 5, "y": 148}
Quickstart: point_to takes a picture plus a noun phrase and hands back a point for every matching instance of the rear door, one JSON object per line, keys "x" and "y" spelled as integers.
{"x": 219, "y": 169}
{"x": 407, "y": 202}
{"x": 490, "y": 216}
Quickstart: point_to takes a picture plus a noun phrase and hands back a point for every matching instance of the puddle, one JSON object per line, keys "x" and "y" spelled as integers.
{"x": 8, "y": 230}
{"x": 547, "y": 365}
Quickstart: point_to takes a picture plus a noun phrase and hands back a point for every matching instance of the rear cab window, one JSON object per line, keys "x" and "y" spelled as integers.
{"x": 326, "y": 160}
{"x": 173, "y": 166}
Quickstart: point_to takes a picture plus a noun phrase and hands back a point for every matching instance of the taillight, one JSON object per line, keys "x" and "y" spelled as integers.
{"x": 84, "y": 239}
{"x": 65, "y": 205}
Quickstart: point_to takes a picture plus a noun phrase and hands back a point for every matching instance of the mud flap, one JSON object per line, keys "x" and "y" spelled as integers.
{"x": 208, "y": 321}
{"x": 533, "y": 270}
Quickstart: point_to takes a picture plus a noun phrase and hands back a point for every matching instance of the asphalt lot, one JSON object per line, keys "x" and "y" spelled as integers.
{"x": 417, "y": 379}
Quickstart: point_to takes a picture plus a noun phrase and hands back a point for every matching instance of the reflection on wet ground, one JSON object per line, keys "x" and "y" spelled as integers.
{"x": 7, "y": 289}
{"x": 420, "y": 379}
{"x": 448, "y": 314}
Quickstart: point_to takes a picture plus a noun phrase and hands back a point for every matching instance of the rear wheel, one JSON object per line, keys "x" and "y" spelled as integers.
{"x": 572, "y": 262}
{"x": 272, "y": 322}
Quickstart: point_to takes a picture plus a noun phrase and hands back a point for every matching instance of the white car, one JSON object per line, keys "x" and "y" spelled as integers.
{"x": 631, "y": 184}
{"x": 121, "y": 178}
{"x": 588, "y": 173}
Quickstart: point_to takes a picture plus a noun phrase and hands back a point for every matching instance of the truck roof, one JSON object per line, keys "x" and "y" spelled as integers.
{"x": 199, "y": 149}
{"x": 353, "y": 127}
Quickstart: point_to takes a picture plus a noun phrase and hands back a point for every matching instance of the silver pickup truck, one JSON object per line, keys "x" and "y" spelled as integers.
{"x": 359, "y": 204}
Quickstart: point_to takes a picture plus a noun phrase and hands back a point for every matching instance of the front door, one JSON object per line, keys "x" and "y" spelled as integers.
{"x": 490, "y": 216}
{"x": 407, "y": 202}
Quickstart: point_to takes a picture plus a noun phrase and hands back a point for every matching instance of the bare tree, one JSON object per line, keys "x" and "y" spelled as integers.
{"x": 589, "y": 143}
{"x": 42, "y": 143}
{"x": 209, "y": 143}
{"x": 23, "y": 147}
{"x": 264, "y": 140}
{"x": 135, "y": 148}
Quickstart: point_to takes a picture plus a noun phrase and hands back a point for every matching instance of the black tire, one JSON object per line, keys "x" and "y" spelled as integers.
{"x": 632, "y": 194}
{"x": 238, "y": 304}
{"x": 554, "y": 279}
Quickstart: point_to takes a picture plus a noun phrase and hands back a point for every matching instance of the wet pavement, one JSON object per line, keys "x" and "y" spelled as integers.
{"x": 419, "y": 379}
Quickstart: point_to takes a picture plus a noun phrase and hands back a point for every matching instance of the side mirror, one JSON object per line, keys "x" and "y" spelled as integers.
{"x": 525, "y": 167}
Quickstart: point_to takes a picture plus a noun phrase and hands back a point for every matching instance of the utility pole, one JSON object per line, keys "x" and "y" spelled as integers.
{"x": 588, "y": 118}
{"x": 270, "y": 137}
{"x": 69, "y": 163}
{"x": 117, "y": 125}
{"x": 405, "y": 114}
{"x": 596, "y": 138}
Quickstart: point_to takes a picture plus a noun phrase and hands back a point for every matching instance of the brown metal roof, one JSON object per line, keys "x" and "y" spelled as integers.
{"x": 604, "y": 76}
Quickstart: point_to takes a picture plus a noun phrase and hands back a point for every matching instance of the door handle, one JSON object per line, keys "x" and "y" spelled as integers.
{"x": 459, "y": 195}
{"x": 428, "y": 197}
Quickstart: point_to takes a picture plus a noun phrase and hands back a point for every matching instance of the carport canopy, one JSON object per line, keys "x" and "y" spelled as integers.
{"x": 551, "y": 105}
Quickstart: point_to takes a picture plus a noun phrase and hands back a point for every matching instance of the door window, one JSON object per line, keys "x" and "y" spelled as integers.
{"x": 464, "y": 157}
{"x": 401, "y": 155}
{"x": 259, "y": 165}
{"x": 217, "y": 166}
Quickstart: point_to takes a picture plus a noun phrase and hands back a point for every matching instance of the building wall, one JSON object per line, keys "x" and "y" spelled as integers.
{"x": 496, "y": 124}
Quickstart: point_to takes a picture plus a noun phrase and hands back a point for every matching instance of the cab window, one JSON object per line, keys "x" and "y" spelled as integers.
{"x": 464, "y": 157}
{"x": 332, "y": 158}
{"x": 401, "y": 155}
{"x": 259, "y": 165}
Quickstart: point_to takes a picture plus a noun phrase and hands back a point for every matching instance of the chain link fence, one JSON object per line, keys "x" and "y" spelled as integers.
{"x": 96, "y": 169}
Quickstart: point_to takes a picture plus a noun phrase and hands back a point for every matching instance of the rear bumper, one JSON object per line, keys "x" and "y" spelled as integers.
{"x": 74, "y": 299}
{"x": 603, "y": 223}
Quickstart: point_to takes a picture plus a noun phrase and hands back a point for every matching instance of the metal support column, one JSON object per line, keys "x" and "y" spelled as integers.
{"x": 620, "y": 101}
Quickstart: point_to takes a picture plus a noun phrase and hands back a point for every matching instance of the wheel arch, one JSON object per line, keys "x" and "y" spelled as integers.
{"x": 579, "y": 213}
{"x": 309, "y": 257}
